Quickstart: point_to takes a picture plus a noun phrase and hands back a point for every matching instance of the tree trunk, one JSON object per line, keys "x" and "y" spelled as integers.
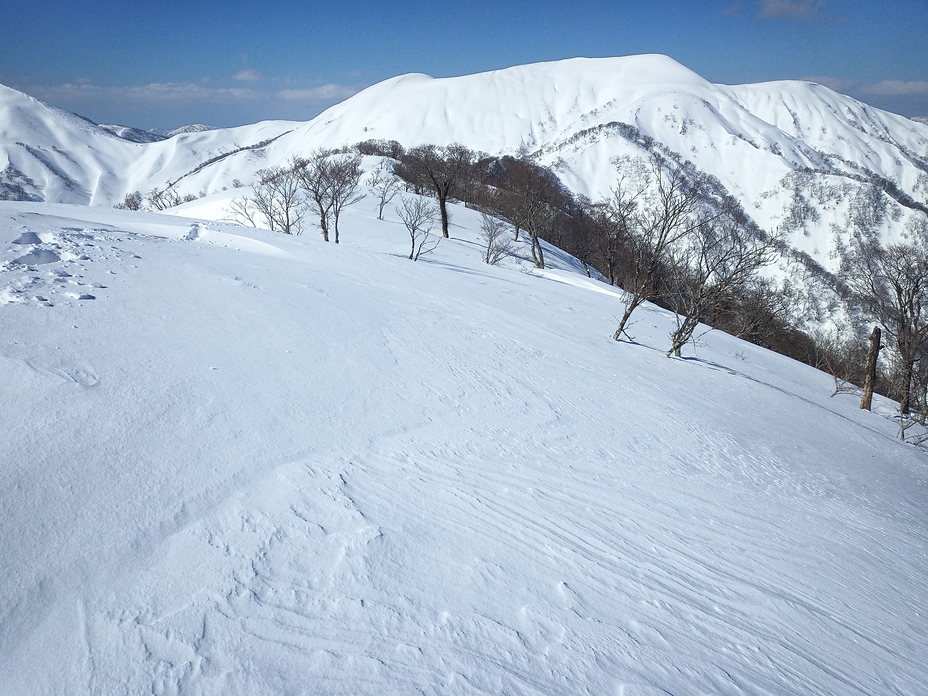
{"x": 630, "y": 307}
{"x": 538, "y": 256}
{"x": 905, "y": 398}
{"x": 444, "y": 215}
{"x": 923, "y": 413}
{"x": 682, "y": 335}
{"x": 870, "y": 375}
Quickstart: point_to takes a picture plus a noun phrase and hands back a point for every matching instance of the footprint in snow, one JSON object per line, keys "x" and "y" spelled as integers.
{"x": 80, "y": 376}
{"x": 28, "y": 238}
{"x": 38, "y": 257}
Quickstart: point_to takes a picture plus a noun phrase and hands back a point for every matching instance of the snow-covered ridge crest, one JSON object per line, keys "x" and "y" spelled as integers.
{"x": 503, "y": 111}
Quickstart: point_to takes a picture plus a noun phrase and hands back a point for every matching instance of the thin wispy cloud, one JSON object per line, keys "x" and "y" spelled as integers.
{"x": 885, "y": 88}
{"x": 247, "y": 76}
{"x": 906, "y": 97}
{"x": 155, "y": 91}
{"x": 734, "y": 8}
{"x": 325, "y": 92}
{"x": 797, "y": 10}
{"x": 897, "y": 88}
{"x": 251, "y": 102}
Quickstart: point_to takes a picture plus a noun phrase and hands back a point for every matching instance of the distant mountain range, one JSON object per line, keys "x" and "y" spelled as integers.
{"x": 798, "y": 157}
{"x": 152, "y": 135}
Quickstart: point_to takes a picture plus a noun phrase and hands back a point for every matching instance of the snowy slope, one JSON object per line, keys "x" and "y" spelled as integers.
{"x": 260, "y": 464}
{"x": 56, "y": 156}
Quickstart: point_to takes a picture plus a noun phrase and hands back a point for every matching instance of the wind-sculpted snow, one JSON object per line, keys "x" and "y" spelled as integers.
{"x": 238, "y": 462}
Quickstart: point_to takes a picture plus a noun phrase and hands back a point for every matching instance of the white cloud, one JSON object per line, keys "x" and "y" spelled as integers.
{"x": 885, "y": 88}
{"x": 906, "y": 97}
{"x": 247, "y": 76}
{"x": 325, "y": 93}
{"x": 802, "y": 10}
{"x": 897, "y": 88}
{"x": 155, "y": 91}
{"x": 171, "y": 104}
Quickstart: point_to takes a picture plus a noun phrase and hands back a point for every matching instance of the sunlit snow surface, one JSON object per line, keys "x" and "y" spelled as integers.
{"x": 236, "y": 462}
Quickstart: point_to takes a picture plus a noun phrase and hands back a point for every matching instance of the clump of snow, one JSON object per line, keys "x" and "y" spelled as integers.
{"x": 38, "y": 257}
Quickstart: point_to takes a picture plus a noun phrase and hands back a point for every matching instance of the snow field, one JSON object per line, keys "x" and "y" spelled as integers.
{"x": 257, "y": 464}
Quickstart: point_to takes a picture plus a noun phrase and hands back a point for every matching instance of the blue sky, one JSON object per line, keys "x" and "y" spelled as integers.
{"x": 230, "y": 63}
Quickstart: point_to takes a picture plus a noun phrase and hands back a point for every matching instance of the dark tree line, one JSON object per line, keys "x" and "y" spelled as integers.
{"x": 664, "y": 235}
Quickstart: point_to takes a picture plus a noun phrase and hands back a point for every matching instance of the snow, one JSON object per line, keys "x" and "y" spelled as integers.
{"x": 261, "y": 464}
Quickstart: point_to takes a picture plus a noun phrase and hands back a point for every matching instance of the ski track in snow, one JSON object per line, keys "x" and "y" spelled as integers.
{"x": 258, "y": 465}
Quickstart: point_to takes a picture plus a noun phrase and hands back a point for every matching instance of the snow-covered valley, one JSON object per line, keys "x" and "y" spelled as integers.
{"x": 239, "y": 462}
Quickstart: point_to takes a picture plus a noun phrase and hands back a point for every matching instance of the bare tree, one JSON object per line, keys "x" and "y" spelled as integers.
{"x": 442, "y": 170}
{"x": 653, "y": 227}
{"x": 345, "y": 173}
{"x": 132, "y": 201}
{"x": 385, "y": 186}
{"x": 842, "y": 358}
{"x": 312, "y": 173}
{"x": 162, "y": 199}
{"x": 380, "y": 148}
{"x": 578, "y": 235}
{"x": 613, "y": 220}
{"x": 505, "y": 204}
{"x": 279, "y": 199}
{"x": 418, "y": 215}
{"x": 495, "y": 240}
{"x": 892, "y": 284}
{"x": 528, "y": 203}
{"x": 243, "y": 211}
{"x": 331, "y": 182}
{"x": 538, "y": 219}
{"x": 716, "y": 259}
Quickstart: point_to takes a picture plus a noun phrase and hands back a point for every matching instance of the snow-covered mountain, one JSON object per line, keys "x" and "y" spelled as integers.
{"x": 799, "y": 158}
{"x": 239, "y": 462}
{"x": 135, "y": 135}
{"x": 55, "y": 156}
{"x": 152, "y": 135}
